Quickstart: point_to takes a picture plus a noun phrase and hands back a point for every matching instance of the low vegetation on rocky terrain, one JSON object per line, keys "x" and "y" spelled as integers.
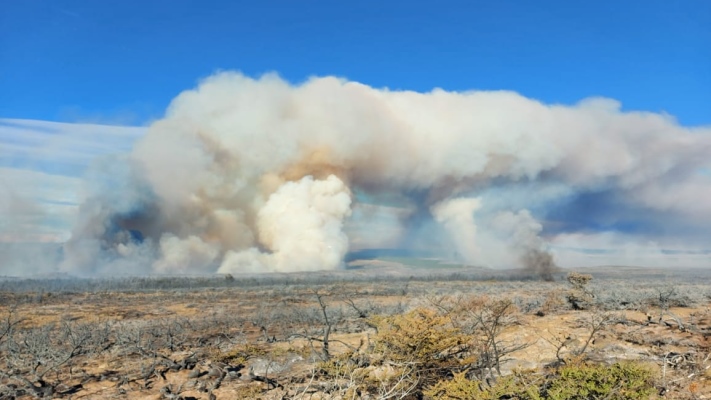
{"x": 601, "y": 334}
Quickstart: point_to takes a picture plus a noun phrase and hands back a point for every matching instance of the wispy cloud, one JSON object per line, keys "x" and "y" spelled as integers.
{"x": 613, "y": 248}
{"x": 69, "y": 12}
{"x": 41, "y": 168}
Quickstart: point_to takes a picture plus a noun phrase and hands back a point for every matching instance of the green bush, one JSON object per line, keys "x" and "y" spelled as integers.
{"x": 620, "y": 381}
{"x": 461, "y": 388}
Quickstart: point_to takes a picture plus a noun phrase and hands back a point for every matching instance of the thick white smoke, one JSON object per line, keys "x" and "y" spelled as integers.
{"x": 301, "y": 226}
{"x": 250, "y": 174}
{"x": 457, "y": 217}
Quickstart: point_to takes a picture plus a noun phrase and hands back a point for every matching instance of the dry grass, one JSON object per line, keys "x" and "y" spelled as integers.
{"x": 267, "y": 329}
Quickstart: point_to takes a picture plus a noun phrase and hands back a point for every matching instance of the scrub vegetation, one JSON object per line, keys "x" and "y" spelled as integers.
{"x": 313, "y": 336}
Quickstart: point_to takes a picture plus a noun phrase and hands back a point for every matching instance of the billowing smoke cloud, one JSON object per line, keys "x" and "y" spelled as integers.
{"x": 252, "y": 175}
{"x": 301, "y": 227}
{"x": 524, "y": 232}
{"x": 457, "y": 217}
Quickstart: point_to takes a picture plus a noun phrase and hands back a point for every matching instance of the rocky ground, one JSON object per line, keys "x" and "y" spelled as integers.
{"x": 230, "y": 340}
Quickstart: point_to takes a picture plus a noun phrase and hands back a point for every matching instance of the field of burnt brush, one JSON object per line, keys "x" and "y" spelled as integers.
{"x": 311, "y": 336}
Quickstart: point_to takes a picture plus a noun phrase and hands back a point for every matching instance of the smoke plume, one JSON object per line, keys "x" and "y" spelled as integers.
{"x": 457, "y": 217}
{"x": 253, "y": 175}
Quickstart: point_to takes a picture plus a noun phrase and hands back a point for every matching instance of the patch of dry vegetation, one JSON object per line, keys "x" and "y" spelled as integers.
{"x": 582, "y": 338}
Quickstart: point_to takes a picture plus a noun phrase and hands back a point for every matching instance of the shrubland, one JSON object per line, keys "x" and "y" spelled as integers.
{"x": 581, "y": 336}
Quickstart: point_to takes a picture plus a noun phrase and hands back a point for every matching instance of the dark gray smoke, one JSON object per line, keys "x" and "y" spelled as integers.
{"x": 540, "y": 263}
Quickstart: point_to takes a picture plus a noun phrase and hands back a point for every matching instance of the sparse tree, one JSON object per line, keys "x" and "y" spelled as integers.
{"x": 580, "y": 296}
{"x": 491, "y": 320}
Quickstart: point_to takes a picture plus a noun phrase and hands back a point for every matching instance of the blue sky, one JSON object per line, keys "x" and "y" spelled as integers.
{"x": 72, "y": 71}
{"x": 122, "y": 61}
